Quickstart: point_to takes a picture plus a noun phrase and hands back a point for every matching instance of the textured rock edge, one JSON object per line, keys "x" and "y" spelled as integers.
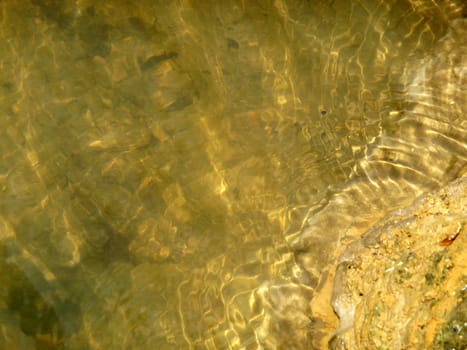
{"x": 400, "y": 284}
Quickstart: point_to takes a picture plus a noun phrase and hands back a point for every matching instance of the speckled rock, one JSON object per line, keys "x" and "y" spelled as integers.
{"x": 404, "y": 284}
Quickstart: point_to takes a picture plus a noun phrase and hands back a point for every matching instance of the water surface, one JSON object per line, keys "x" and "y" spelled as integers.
{"x": 159, "y": 160}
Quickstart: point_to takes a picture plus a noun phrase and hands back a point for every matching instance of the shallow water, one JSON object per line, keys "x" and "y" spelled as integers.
{"x": 160, "y": 163}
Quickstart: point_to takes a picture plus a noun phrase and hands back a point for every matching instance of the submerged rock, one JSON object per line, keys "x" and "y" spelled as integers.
{"x": 403, "y": 285}
{"x": 421, "y": 149}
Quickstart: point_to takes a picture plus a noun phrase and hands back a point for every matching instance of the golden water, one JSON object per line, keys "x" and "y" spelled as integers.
{"x": 158, "y": 159}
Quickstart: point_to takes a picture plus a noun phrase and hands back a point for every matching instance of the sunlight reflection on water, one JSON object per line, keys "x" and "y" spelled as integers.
{"x": 159, "y": 160}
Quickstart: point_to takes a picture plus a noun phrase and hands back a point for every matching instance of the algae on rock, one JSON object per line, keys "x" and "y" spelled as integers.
{"x": 403, "y": 285}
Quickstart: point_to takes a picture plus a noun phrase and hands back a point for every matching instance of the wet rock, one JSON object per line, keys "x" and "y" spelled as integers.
{"x": 402, "y": 286}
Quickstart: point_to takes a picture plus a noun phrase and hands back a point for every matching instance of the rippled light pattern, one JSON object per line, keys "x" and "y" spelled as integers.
{"x": 184, "y": 174}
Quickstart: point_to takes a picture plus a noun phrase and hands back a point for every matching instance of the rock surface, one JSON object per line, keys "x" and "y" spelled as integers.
{"x": 403, "y": 285}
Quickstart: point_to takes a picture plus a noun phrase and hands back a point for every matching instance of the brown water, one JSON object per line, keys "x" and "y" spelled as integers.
{"x": 158, "y": 160}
